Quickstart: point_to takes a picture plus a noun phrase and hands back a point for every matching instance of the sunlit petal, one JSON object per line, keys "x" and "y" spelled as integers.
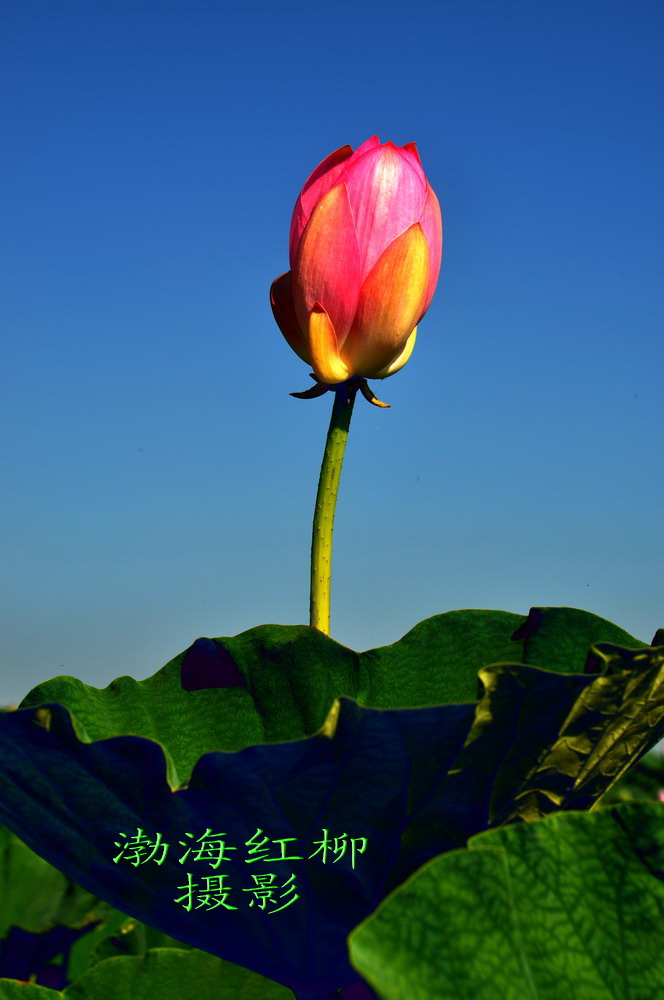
{"x": 327, "y": 267}
{"x": 325, "y": 361}
{"x": 391, "y": 301}
{"x": 400, "y": 360}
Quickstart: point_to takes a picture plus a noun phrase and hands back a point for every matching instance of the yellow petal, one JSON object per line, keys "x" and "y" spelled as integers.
{"x": 390, "y": 305}
{"x": 325, "y": 361}
{"x": 401, "y": 360}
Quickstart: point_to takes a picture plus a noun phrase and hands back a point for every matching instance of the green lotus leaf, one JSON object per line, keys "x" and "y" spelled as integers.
{"x": 163, "y": 973}
{"x": 559, "y": 638}
{"x": 38, "y": 899}
{"x": 645, "y": 780}
{"x": 413, "y": 783}
{"x": 35, "y": 896}
{"x": 277, "y": 682}
{"x": 572, "y": 906}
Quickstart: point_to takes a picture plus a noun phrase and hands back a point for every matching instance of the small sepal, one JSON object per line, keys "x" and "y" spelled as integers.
{"x": 369, "y": 396}
{"x": 351, "y": 384}
{"x": 317, "y": 390}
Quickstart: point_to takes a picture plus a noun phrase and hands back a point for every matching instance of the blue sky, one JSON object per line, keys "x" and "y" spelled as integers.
{"x": 158, "y": 478}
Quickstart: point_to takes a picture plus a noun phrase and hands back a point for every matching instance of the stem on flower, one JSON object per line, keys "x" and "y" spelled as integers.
{"x": 326, "y": 501}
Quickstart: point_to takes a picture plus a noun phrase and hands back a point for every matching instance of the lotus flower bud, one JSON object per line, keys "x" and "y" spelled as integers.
{"x": 366, "y": 242}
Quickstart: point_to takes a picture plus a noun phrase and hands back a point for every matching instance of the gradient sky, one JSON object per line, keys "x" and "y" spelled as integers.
{"x": 158, "y": 480}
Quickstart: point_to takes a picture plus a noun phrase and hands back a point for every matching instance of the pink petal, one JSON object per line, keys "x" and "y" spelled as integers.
{"x": 387, "y": 195}
{"x": 369, "y": 144}
{"x": 410, "y": 149}
{"x": 327, "y": 266}
{"x": 432, "y": 226}
{"x": 318, "y": 184}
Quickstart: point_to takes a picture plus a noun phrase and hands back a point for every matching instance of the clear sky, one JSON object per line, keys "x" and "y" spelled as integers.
{"x": 158, "y": 480}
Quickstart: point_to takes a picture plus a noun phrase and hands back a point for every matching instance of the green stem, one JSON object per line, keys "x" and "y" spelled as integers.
{"x": 326, "y": 500}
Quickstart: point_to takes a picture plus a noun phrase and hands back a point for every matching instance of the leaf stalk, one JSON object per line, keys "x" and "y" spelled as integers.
{"x": 326, "y": 501}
